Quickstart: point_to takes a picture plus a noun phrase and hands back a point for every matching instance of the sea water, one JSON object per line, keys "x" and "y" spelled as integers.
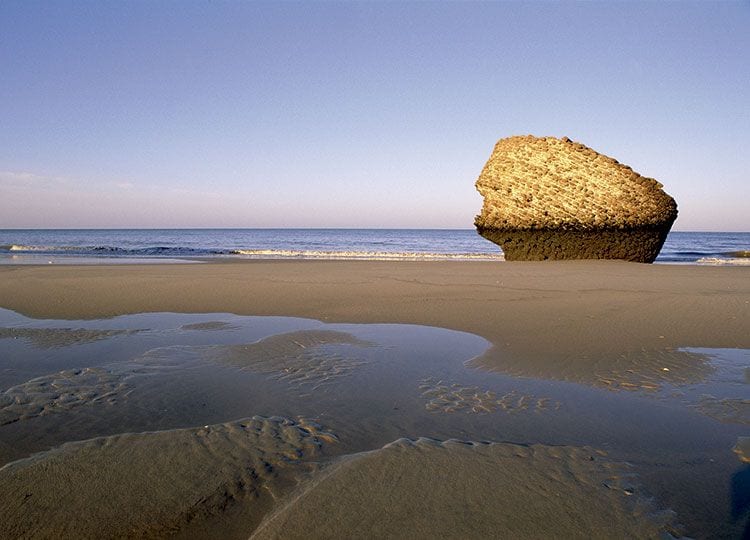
{"x": 18, "y": 246}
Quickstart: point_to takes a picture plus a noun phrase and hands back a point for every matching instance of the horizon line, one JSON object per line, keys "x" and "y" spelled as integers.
{"x": 297, "y": 229}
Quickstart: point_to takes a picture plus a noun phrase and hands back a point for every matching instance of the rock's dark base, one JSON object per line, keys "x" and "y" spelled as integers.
{"x": 638, "y": 244}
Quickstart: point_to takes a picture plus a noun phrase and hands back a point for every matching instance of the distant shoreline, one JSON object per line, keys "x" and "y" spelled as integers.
{"x": 133, "y": 246}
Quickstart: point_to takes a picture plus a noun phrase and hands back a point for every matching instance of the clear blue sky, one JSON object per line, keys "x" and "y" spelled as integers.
{"x": 368, "y": 114}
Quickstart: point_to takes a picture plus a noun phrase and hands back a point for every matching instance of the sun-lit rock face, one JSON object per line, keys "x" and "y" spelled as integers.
{"x": 549, "y": 198}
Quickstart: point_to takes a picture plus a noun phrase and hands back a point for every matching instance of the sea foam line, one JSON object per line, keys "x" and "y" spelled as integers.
{"x": 114, "y": 250}
{"x": 716, "y": 261}
{"x": 364, "y": 255}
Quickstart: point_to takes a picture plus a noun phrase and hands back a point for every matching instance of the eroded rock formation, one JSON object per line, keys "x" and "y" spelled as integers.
{"x": 549, "y": 198}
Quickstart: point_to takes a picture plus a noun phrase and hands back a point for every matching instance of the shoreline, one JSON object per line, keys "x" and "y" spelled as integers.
{"x": 738, "y": 258}
{"x": 527, "y": 310}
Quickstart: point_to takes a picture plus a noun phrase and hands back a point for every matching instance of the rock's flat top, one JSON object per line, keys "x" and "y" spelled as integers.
{"x": 549, "y": 183}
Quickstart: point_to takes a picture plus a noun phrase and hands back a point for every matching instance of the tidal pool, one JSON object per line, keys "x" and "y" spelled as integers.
{"x": 261, "y": 411}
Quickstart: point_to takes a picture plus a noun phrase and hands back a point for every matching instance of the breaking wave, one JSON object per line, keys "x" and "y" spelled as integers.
{"x": 363, "y": 255}
{"x": 114, "y": 250}
{"x": 183, "y": 251}
{"x": 718, "y": 261}
{"x": 707, "y": 249}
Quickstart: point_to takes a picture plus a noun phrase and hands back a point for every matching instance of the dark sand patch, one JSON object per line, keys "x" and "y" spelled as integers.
{"x": 53, "y": 338}
{"x": 60, "y": 391}
{"x": 300, "y": 358}
{"x": 647, "y": 370}
{"x": 728, "y": 410}
{"x": 209, "y": 326}
{"x": 432, "y": 489}
{"x": 448, "y": 398}
{"x": 154, "y": 484}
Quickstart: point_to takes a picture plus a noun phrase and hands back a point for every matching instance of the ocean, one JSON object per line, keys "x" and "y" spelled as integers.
{"x": 24, "y": 246}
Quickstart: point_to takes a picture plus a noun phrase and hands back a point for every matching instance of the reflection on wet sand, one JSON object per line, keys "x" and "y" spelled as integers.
{"x": 154, "y": 484}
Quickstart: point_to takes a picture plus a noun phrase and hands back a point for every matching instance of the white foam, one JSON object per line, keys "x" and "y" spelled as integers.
{"x": 716, "y": 261}
{"x": 17, "y": 247}
{"x": 25, "y": 248}
{"x": 364, "y": 255}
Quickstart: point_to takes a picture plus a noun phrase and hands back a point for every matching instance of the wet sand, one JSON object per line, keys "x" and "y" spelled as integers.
{"x": 607, "y": 328}
{"x": 527, "y": 310}
{"x": 452, "y": 489}
{"x": 151, "y": 485}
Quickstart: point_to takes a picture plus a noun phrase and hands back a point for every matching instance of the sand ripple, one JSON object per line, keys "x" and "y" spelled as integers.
{"x": 52, "y": 338}
{"x": 452, "y": 489}
{"x": 60, "y": 391}
{"x": 448, "y": 398}
{"x": 153, "y": 484}
{"x": 300, "y": 358}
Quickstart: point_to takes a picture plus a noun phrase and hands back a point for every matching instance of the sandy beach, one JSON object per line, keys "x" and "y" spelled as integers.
{"x": 527, "y": 310}
{"x": 374, "y": 270}
{"x": 600, "y": 326}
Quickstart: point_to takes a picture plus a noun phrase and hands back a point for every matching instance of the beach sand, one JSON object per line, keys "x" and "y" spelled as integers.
{"x": 451, "y": 489}
{"x": 151, "y": 485}
{"x": 527, "y": 310}
{"x": 598, "y": 324}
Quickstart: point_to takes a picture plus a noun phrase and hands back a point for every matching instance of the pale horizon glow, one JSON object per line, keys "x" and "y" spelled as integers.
{"x": 356, "y": 114}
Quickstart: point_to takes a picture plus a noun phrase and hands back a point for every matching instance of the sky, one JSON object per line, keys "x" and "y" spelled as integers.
{"x": 356, "y": 114}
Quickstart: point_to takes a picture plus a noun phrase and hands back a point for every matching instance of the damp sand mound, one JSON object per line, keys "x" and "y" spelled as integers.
{"x": 432, "y": 489}
{"x": 299, "y": 358}
{"x": 549, "y": 198}
{"x": 148, "y": 485}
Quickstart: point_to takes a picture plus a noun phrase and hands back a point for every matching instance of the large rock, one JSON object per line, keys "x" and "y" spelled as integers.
{"x": 548, "y": 198}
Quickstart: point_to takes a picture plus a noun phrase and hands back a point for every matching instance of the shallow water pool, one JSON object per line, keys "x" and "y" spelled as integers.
{"x": 318, "y": 392}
